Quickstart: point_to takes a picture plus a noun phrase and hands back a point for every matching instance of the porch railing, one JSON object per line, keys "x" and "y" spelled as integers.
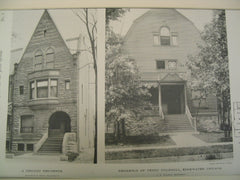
{"x": 191, "y": 119}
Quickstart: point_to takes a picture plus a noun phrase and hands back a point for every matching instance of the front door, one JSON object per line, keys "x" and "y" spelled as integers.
{"x": 172, "y": 99}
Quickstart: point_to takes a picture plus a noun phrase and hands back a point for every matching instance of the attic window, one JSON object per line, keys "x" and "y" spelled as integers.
{"x": 165, "y": 36}
{"x": 50, "y": 58}
{"x": 38, "y": 60}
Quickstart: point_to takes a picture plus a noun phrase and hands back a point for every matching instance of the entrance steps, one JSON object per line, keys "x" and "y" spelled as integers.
{"x": 174, "y": 123}
{"x": 52, "y": 145}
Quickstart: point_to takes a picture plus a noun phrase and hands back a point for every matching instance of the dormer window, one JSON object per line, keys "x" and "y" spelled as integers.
{"x": 38, "y": 61}
{"x": 165, "y": 36}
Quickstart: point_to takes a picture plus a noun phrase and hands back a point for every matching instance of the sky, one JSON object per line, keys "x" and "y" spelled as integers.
{"x": 198, "y": 17}
{"x": 25, "y": 21}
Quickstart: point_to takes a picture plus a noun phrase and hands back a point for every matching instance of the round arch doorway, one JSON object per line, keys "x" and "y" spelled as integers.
{"x": 59, "y": 123}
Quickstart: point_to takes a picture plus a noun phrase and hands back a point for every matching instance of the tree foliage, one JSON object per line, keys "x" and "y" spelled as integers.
{"x": 125, "y": 93}
{"x": 112, "y": 14}
{"x": 209, "y": 67}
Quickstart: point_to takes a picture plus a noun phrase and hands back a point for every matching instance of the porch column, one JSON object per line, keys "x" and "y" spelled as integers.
{"x": 185, "y": 97}
{"x": 160, "y": 100}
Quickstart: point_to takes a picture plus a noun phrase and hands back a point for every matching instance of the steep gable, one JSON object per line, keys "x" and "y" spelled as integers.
{"x": 45, "y": 34}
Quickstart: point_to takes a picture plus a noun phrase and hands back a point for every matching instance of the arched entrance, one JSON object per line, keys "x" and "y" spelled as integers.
{"x": 59, "y": 123}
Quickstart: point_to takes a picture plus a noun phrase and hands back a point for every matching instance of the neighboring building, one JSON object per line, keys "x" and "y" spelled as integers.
{"x": 47, "y": 94}
{"x": 160, "y": 42}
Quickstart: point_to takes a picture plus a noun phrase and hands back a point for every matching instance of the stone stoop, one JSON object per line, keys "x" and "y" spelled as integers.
{"x": 52, "y": 145}
{"x": 175, "y": 123}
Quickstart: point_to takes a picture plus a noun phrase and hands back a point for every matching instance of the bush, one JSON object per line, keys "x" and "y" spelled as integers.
{"x": 72, "y": 156}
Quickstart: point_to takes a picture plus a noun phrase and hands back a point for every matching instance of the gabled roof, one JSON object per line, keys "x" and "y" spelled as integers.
{"x": 171, "y": 77}
{"x": 17, "y": 54}
{"x": 155, "y": 11}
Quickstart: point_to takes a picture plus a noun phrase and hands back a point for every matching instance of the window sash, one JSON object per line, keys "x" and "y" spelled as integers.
{"x": 165, "y": 40}
{"x": 160, "y": 64}
{"x": 42, "y": 89}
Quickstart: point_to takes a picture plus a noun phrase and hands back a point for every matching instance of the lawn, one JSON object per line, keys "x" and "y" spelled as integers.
{"x": 213, "y": 137}
{"x": 141, "y": 141}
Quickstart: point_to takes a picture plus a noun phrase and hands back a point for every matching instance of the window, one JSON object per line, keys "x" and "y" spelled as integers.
{"x": 156, "y": 39}
{"x": 172, "y": 64}
{"x": 26, "y": 124}
{"x": 50, "y": 58}
{"x": 42, "y": 89}
{"x": 53, "y": 88}
{"x": 165, "y": 36}
{"x": 20, "y": 147}
{"x": 32, "y": 90}
{"x": 67, "y": 84}
{"x": 29, "y": 147}
{"x": 160, "y": 64}
{"x": 38, "y": 60}
{"x": 21, "y": 90}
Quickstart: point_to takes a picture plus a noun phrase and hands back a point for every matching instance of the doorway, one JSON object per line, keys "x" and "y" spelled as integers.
{"x": 59, "y": 123}
{"x": 173, "y": 99}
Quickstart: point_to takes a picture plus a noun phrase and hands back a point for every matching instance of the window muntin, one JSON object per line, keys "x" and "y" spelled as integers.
{"x": 165, "y": 36}
{"x": 50, "y": 58}
{"x": 26, "y": 124}
{"x": 42, "y": 88}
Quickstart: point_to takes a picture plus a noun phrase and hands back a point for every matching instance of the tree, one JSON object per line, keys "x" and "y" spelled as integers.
{"x": 113, "y": 14}
{"x": 209, "y": 68}
{"x": 125, "y": 93}
{"x": 90, "y": 23}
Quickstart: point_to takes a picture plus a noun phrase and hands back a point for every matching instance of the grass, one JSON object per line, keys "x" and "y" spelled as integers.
{"x": 213, "y": 137}
{"x": 141, "y": 141}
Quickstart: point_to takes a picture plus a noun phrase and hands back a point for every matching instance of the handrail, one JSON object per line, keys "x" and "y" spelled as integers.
{"x": 190, "y": 118}
{"x": 39, "y": 144}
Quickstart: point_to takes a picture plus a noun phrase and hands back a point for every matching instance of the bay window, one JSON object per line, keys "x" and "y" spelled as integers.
{"x": 43, "y": 88}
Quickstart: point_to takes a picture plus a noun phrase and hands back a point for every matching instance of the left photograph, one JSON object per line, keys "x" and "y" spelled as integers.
{"x": 51, "y": 93}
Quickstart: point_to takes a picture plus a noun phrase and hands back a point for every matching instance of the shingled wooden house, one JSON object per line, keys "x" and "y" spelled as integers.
{"x": 160, "y": 42}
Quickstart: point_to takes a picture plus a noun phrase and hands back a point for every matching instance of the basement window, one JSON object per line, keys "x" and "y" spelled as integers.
{"x": 20, "y": 147}
{"x": 29, "y": 147}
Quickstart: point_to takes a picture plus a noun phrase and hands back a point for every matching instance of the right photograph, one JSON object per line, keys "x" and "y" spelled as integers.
{"x": 167, "y": 92}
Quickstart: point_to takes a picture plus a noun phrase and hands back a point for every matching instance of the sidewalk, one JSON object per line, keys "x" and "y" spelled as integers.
{"x": 181, "y": 140}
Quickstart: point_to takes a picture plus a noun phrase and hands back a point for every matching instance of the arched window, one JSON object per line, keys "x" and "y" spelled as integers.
{"x": 165, "y": 36}
{"x": 38, "y": 61}
{"x": 50, "y": 58}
